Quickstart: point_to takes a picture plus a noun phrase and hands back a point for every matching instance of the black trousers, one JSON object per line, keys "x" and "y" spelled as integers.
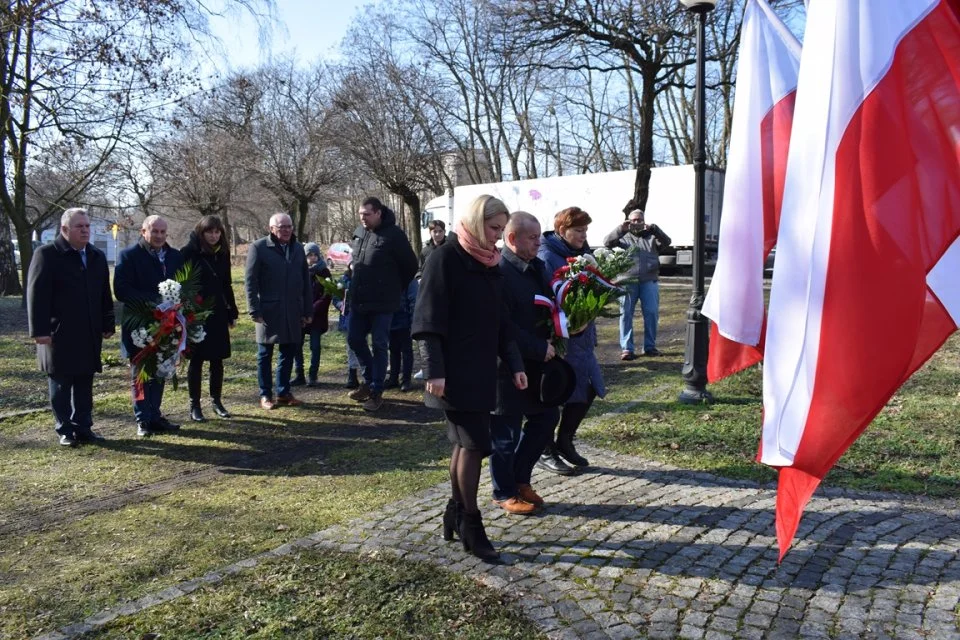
{"x": 195, "y": 378}
{"x": 71, "y": 398}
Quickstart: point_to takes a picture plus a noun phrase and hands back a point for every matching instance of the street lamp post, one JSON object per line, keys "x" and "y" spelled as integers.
{"x": 695, "y": 350}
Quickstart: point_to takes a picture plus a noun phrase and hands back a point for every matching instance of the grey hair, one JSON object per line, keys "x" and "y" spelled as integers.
{"x": 275, "y": 218}
{"x": 148, "y": 221}
{"x": 67, "y": 217}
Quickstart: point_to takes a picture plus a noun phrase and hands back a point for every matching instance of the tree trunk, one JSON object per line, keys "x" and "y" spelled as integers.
{"x": 412, "y": 200}
{"x": 648, "y": 98}
{"x": 303, "y": 210}
{"x": 9, "y": 279}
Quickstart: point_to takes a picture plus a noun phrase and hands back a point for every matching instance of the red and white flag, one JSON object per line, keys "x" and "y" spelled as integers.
{"x": 866, "y": 287}
{"x": 753, "y": 189}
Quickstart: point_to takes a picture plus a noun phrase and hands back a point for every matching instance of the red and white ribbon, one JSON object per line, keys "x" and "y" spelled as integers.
{"x": 557, "y": 315}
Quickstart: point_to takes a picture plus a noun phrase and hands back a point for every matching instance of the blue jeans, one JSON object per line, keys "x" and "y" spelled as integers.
{"x": 648, "y": 293}
{"x": 148, "y": 409}
{"x": 71, "y": 398}
{"x": 516, "y": 449}
{"x": 374, "y": 365}
{"x": 315, "y": 336}
{"x": 284, "y": 367}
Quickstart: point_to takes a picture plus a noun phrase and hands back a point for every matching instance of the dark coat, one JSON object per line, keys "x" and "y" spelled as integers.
{"x": 430, "y": 246}
{"x": 321, "y": 301}
{"x": 216, "y": 285}
{"x": 278, "y": 290}
{"x": 554, "y": 252}
{"x": 460, "y": 308}
{"x": 136, "y": 276}
{"x": 531, "y": 329}
{"x": 403, "y": 317}
{"x": 70, "y": 303}
{"x": 383, "y": 265}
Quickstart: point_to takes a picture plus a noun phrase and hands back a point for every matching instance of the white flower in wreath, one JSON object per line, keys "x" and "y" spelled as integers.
{"x": 197, "y": 334}
{"x": 589, "y": 259}
{"x": 619, "y": 250}
{"x": 140, "y": 337}
{"x": 169, "y": 291}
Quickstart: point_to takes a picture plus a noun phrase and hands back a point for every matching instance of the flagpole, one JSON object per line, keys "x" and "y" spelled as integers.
{"x": 694, "y": 369}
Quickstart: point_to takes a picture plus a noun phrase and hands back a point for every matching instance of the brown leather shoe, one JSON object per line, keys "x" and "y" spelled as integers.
{"x": 515, "y": 506}
{"x": 289, "y": 400}
{"x": 374, "y": 402}
{"x": 361, "y": 393}
{"x": 526, "y": 493}
{"x": 266, "y": 403}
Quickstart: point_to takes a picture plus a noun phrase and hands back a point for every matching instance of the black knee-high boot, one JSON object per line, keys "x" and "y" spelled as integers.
{"x": 216, "y": 388}
{"x": 194, "y": 375}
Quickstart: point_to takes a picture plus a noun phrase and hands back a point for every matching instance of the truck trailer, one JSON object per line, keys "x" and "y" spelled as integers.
{"x": 670, "y": 204}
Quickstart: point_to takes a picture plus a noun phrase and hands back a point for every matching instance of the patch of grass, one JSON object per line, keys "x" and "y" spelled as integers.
{"x": 911, "y": 447}
{"x": 324, "y": 595}
{"x": 58, "y": 576}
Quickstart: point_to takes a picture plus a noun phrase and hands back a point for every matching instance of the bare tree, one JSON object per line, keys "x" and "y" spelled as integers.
{"x": 76, "y": 77}
{"x": 382, "y": 120}
{"x": 647, "y": 35}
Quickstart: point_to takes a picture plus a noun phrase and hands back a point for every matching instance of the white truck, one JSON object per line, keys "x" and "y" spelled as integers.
{"x": 670, "y": 204}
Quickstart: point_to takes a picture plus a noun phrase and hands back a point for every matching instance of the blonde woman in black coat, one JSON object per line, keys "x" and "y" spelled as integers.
{"x": 209, "y": 252}
{"x": 461, "y": 327}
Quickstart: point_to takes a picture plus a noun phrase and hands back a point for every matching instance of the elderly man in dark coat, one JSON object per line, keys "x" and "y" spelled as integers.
{"x": 383, "y": 265}
{"x": 140, "y": 268}
{"x": 517, "y": 448}
{"x": 70, "y": 312}
{"x": 280, "y": 301}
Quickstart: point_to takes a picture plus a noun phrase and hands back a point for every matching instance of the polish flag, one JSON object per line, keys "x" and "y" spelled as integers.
{"x": 753, "y": 189}
{"x": 866, "y": 287}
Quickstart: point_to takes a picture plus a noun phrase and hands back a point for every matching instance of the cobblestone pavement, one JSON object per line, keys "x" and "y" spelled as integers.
{"x": 636, "y": 549}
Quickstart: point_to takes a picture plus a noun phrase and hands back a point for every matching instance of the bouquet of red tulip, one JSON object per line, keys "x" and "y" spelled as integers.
{"x": 164, "y": 331}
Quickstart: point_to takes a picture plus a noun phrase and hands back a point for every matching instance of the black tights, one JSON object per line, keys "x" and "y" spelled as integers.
{"x": 465, "y": 477}
{"x": 195, "y": 376}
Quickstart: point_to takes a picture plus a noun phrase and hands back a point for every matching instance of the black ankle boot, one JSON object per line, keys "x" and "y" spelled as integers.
{"x": 353, "y": 382}
{"x": 219, "y": 409}
{"x": 551, "y": 462}
{"x": 451, "y": 521}
{"x": 196, "y": 414}
{"x": 474, "y": 537}
{"x": 566, "y": 449}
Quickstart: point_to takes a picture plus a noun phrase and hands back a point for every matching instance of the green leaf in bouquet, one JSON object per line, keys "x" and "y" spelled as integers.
{"x": 136, "y": 314}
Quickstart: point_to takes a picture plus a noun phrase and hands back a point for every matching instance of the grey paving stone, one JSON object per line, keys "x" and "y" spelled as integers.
{"x": 623, "y": 632}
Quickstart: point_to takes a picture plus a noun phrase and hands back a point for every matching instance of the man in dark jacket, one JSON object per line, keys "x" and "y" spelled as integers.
{"x": 645, "y": 242}
{"x": 280, "y": 301}
{"x": 140, "y": 268}
{"x": 70, "y": 312}
{"x": 383, "y": 265}
{"x": 516, "y": 448}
